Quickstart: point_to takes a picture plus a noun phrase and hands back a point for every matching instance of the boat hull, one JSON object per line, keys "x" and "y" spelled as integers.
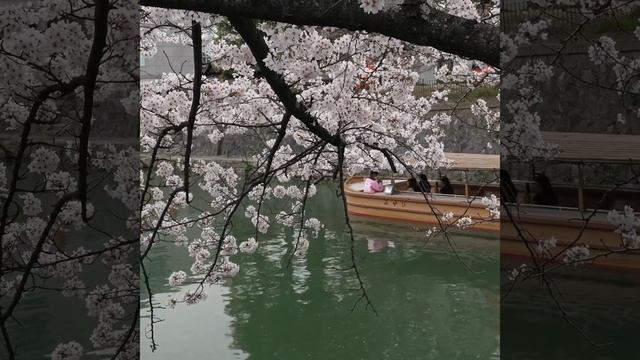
{"x": 414, "y": 208}
{"x": 568, "y": 228}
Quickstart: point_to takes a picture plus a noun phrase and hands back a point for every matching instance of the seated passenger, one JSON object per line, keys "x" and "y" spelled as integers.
{"x": 508, "y": 191}
{"x": 372, "y": 184}
{"x": 424, "y": 184}
{"x": 412, "y": 184}
{"x": 544, "y": 192}
{"x": 446, "y": 188}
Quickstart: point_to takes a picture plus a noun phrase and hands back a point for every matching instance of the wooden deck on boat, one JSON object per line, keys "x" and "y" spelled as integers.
{"x": 409, "y": 206}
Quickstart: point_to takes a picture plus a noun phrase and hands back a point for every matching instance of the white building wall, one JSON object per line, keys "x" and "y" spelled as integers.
{"x": 169, "y": 58}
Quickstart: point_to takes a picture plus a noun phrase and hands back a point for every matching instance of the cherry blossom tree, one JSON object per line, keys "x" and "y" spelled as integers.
{"x": 466, "y": 28}
{"x": 539, "y": 55}
{"x": 317, "y": 102}
{"x": 68, "y": 224}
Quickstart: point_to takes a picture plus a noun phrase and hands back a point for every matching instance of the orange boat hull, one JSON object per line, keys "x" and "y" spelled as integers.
{"x": 414, "y": 208}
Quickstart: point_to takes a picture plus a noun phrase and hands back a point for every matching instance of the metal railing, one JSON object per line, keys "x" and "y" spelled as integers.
{"x": 427, "y": 87}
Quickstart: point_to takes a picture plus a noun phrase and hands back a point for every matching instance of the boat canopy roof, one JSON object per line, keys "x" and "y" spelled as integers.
{"x": 465, "y": 161}
{"x": 591, "y": 147}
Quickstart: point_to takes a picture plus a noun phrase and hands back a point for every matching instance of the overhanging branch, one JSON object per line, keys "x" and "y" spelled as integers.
{"x": 452, "y": 34}
{"x": 254, "y": 39}
{"x": 196, "y": 35}
{"x": 101, "y": 28}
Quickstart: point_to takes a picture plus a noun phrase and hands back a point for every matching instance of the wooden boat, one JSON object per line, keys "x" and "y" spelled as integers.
{"x": 570, "y": 227}
{"x": 575, "y": 222}
{"x": 410, "y": 206}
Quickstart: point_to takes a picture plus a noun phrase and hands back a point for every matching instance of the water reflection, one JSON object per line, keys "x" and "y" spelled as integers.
{"x": 44, "y": 317}
{"x": 429, "y": 305}
{"x": 377, "y": 245}
{"x": 607, "y": 312}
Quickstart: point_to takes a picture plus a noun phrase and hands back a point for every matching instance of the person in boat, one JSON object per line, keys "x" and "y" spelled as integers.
{"x": 446, "y": 188}
{"x": 412, "y": 184}
{"x": 373, "y": 184}
{"x": 423, "y": 184}
{"x": 545, "y": 195}
{"x": 508, "y": 191}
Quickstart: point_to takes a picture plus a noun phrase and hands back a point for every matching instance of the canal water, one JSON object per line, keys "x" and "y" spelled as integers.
{"x": 429, "y": 304}
{"x": 602, "y": 317}
{"x": 44, "y": 317}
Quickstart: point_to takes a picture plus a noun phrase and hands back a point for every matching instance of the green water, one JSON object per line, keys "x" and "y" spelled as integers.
{"x": 429, "y": 305}
{"x": 44, "y": 318}
{"x": 605, "y": 315}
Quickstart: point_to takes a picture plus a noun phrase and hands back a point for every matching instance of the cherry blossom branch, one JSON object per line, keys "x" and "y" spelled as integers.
{"x": 41, "y": 97}
{"x": 131, "y": 332}
{"x": 58, "y": 52}
{"x": 255, "y": 40}
{"x": 443, "y": 227}
{"x": 35, "y": 254}
{"x": 364, "y": 295}
{"x": 413, "y": 21}
{"x": 101, "y": 18}
{"x": 196, "y": 36}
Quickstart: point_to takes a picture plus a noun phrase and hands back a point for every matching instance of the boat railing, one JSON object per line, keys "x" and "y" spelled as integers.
{"x": 560, "y": 208}
{"x": 398, "y": 187}
{"x": 521, "y": 183}
{"x": 430, "y": 195}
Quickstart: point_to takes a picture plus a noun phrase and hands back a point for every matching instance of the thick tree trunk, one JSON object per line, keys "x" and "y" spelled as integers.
{"x": 445, "y": 32}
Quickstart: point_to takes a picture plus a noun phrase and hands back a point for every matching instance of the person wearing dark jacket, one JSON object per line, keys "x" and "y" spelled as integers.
{"x": 423, "y": 184}
{"x": 446, "y": 188}
{"x": 508, "y": 191}
{"x": 545, "y": 195}
{"x": 413, "y": 184}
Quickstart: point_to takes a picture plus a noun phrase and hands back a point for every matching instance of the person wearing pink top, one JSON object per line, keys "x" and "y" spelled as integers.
{"x": 372, "y": 184}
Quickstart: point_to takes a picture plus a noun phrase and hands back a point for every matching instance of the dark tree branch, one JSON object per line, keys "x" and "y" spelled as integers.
{"x": 42, "y": 96}
{"x": 387, "y": 155}
{"x": 44, "y": 235}
{"x": 196, "y": 36}
{"x": 281, "y": 134}
{"x": 93, "y": 67}
{"x": 445, "y": 32}
{"x": 255, "y": 40}
{"x": 364, "y": 295}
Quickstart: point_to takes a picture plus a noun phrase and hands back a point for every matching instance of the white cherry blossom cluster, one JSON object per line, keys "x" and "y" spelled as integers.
{"x": 43, "y": 161}
{"x": 520, "y": 126}
{"x": 519, "y": 271}
{"x": 372, "y": 6}
{"x": 68, "y": 351}
{"x": 576, "y": 255}
{"x": 177, "y": 278}
{"x": 491, "y": 118}
{"x": 464, "y": 222}
{"x": 627, "y": 224}
{"x": 248, "y": 246}
{"x": 31, "y": 205}
{"x": 194, "y": 297}
{"x": 447, "y": 217}
{"x": 492, "y": 204}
